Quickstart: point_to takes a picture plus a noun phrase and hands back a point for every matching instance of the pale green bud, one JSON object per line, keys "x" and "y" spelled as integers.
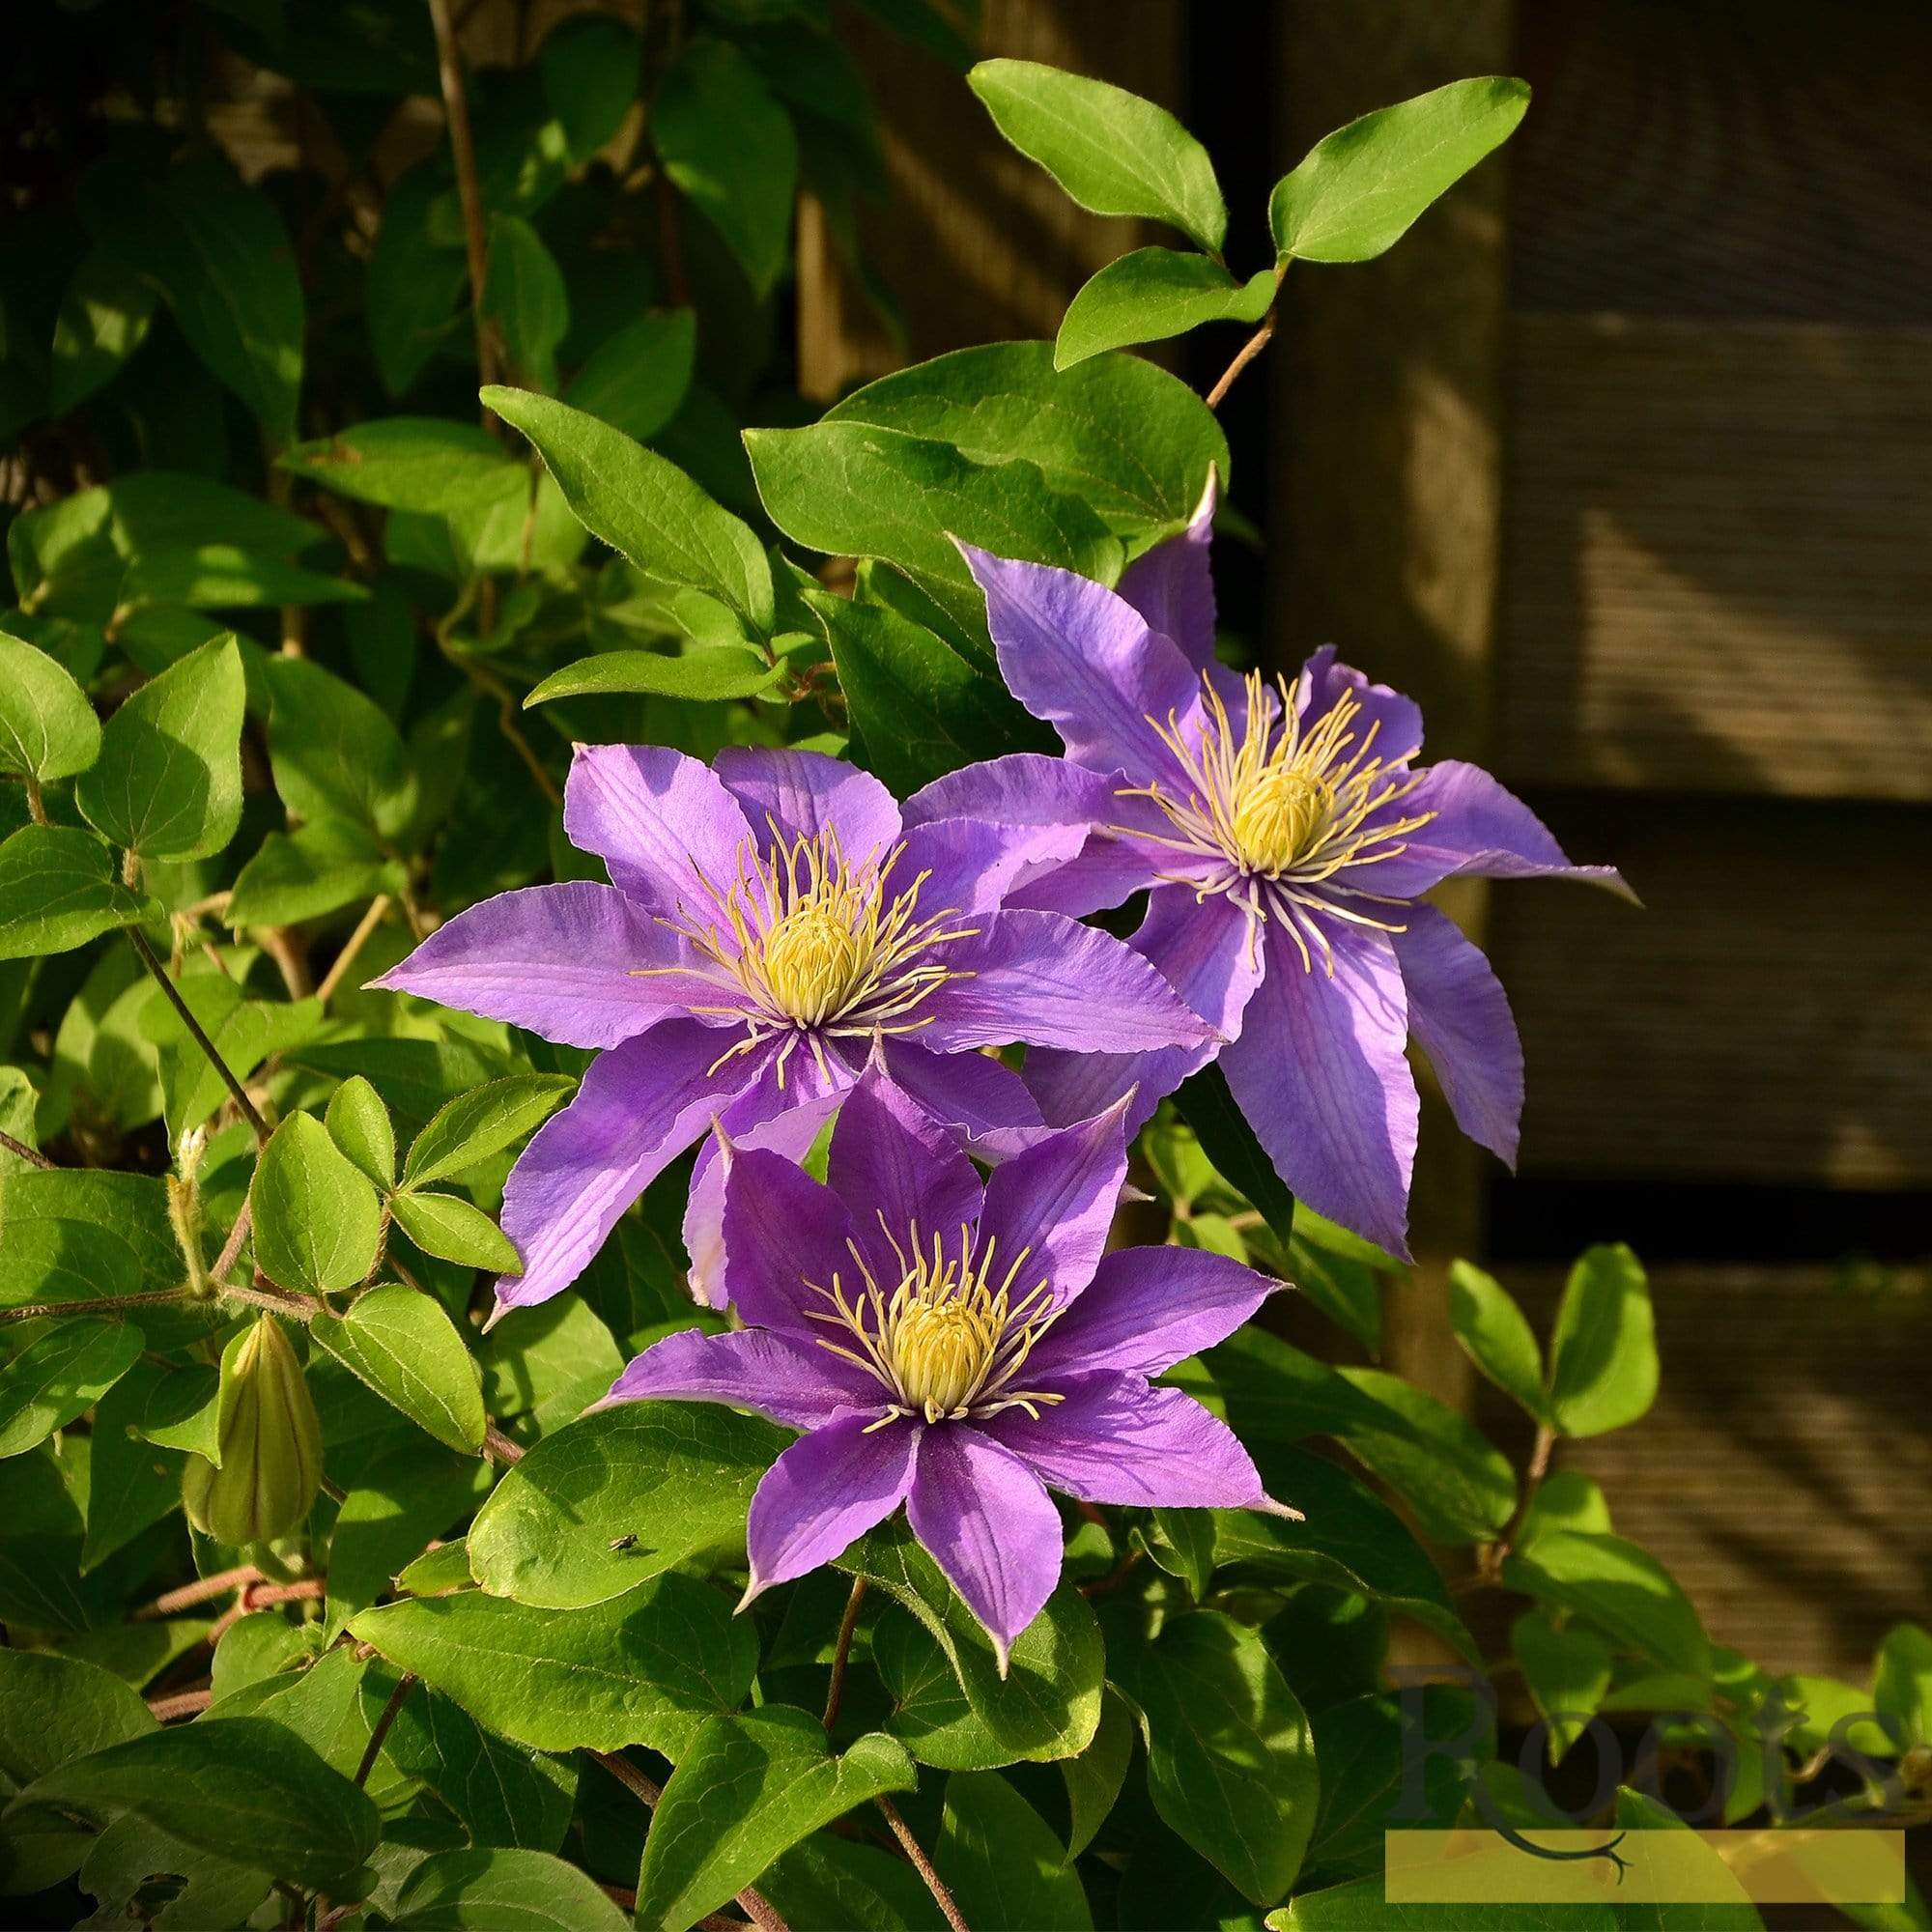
{"x": 271, "y": 1445}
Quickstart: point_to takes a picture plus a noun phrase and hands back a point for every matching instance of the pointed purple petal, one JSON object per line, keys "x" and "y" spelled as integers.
{"x": 1210, "y": 953}
{"x": 1480, "y": 828}
{"x": 579, "y": 963}
{"x": 1038, "y": 977}
{"x": 749, "y": 1369}
{"x": 805, "y": 792}
{"x": 893, "y": 1165}
{"x": 641, "y": 1105}
{"x": 1084, "y": 659}
{"x": 1148, "y": 1308}
{"x": 970, "y": 1091}
{"x": 1172, "y": 586}
{"x": 659, "y": 820}
{"x": 1395, "y": 720}
{"x": 1319, "y": 1072}
{"x": 972, "y": 865}
{"x": 1055, "y": 1201}
{"x": 1461, "y": 1018}
{"x": 987, "y": 1522}
{"x": 825, "y": 1493}
{"x": 1113, "y": 1439}
{"x": 782, "y": 1230}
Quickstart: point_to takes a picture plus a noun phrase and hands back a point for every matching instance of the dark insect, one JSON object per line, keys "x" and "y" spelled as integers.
{"x": 628, "y": 1541}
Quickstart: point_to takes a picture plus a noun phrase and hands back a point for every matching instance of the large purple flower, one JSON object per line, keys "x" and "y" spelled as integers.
{"x": 767, "y": 923}
{"x": 1287, "y": 834}
{"x": 958, "y": 1347}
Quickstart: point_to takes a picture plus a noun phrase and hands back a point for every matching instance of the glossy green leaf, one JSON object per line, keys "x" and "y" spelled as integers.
{"x": 481, "y": 1122}
{"x": 1902, "y": 1684}
{"x": 103, "y": 320}
{"x": 455, "y": 1230}
{"x": 58, "y": 890}
{"x": 636, "y": 377}
{"x": 167, "y": 783}
{"x": 63, "y": 1371}
{"x": 1496, "y": 1336}
{"x": 426, "y": 463}
{"x": 485, "y": 1890}
{"x": 676, "y": 1476}
{"x": 1567, "y": 1671}
{"x": 1111, "y": 150}
{"x": 1458, "y": 1482}
{"x": 308, "y": 873}
{"x": 316, "y": 1221}
{"x": 1356, "y": 191}
{"x": 524, "y": 300}
{"x": 708, "y": 676}
{"x": 1231, "y": 1760}
{"x": 644, "y": 1668}
{"x": 334, "y": 752}
{"x": 1602, "y": 1357}
{"x": 1001, "y": 1864}
{"x": 239, "y": 1787}
{"x": 645, "y": 508}
{"x": 48, "y": 727}
{"x": 358, "y": 1123}
{"x": 749, "y": 1787}
{"x": 1152, "y": 295}
{"x": 1618, "y": 1587}
{"x": 405, "y": 1346}
{"x": 544, "y": 1366}
{"x": 729, "y": 145}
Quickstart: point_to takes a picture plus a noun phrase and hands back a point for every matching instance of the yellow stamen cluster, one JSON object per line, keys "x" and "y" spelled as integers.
{"x": 804, "y": 940}
{"x": 950, "y": 1338}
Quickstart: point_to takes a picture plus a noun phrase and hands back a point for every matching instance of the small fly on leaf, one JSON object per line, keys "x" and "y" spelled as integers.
{"x": 628, "y": 1541}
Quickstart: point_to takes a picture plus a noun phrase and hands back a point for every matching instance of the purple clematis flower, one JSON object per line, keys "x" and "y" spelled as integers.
{"x": 957, "y": 1347}
{"x": 1287, "y": 833}
{"x": 767, "y": 923}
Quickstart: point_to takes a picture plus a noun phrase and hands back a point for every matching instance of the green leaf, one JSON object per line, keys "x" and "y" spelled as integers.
{"x": 481, "y": 1122}
{"x": 131, "y": 1481}
{"x": 921, "y": 708}
{"x": 1361, "y": 1906}
{"x": 104, "y": 319}
{"x": 729, "y": 144}
{"x": 439, "y": 1571}
{"x": 47, "y": 729}
{"x": 525, "y": 299}
{"x": 58, "y": 890}
{"x": 1047, "y": 1706}
{"x": 589, "y": 66}
{"x": 1603, "y": 1355}
{"x": 646, "y": 509}
{"x": 55, "y": 1709}
{"x": 829, "y": 1882}
{"x": 1496, "y": 1336}
{"x": 853, "y": 490}
{"x": 244, "y": 1032}
{"x": 676, "y": 1476}
{"x": 317, "y": 1221}
{"x": 1567, "y": 1499}
{"x": 67, "y": 1370}
{"x": 405, "y": 1346}
{"x": 1567, "y": 1671}
{"x": 644, "y": 1668}
{"x": 1207, "y": 1106}
{"x": 484, "y": 1890}
{"x": 167, "y": 783}
{"x": 1231, "y": 1762}
{"x": 1111, "y": 150}
{"x": 304, "y": 874}
{"x": 1356, "y": 191}
{"x": 412, "y": 1493}
{"x": 1095, "y": 1777}
{"x": 1001, "y": 1864}
{"x": 333, "y": 752}
{"x": 426, "y": 463}
{"x": 1902, "y": 1684}
{"x": 636, "y": 378}
{"x": 1619, "y": 1588}
{"x": 358, "y": 1123}
{"x": 1150, "y": 295}
{"x": 548, "y": 1364}
{"x": 221, "y": 258}
{"x": 1132, "y": 441}
{"x": 225, "y": 577}
{"x": 454, "y": 1230}
{"x": 1458, "y": 1482}
{"x": 750, "y": 1787}
{"x": 708, "y": 676}
{"x": 1720, "y": 1902}
{"x": 242, "y": 1787}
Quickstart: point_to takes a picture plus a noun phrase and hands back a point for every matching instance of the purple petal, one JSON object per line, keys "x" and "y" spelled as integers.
{"x": 641, "y": 1105}
{"x": 1084, "y": 659}
{"x": 749, "y": 1369}
{"x": 1480, "y": 828}
{"x": 1395, "y": 720}
{"x": 661, "y": 822}
{"x": 973, "y": 865}
{"x": 1113, "y": 1439}
{"x": 1461, "y": 1018}
{"x": 969, "y": 1091}
{"x": 1055, "y": 1203}
{"x": 825, "y": 1493}
{"x": 988, "y": 1523}
{"x": 1210, "y": 953}
{"x": 1319, "y": 1072}
{"x": 1148, "y": 1308}
{"x": 782, "y": 1230}
{"x": 893, "y": 1165}
{"x": 1173, "y": 587}
{"x": 1038, "y": 977}
{"x": 806, "y": 792}
{"x": 579, "y": 963}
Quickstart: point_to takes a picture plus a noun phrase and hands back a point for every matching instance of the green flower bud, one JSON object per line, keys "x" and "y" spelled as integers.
{"x": 271, "y": 1445}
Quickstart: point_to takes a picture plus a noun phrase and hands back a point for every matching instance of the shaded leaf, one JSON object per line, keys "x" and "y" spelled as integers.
{"x": 1150, "y": 295}
{"x": 58, "y": 890}
{"x": 708, "y": 676}
{"x": 48, "y": 727}
{"x": 1001, "y": 1864}
{"x": 1603, "y": 1355}
{"x": 317, "y": 1222}
{"x": 481, "y": 1122}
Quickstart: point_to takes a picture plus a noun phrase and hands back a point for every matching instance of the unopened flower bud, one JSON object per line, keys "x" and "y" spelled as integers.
{"x": 270, "y": 1445}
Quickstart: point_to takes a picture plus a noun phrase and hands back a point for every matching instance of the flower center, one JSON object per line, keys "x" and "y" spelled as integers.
{"x": 1281, "y": 817}
{"x": 812, "y": 958}
{"x": 950, "y": 1338}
